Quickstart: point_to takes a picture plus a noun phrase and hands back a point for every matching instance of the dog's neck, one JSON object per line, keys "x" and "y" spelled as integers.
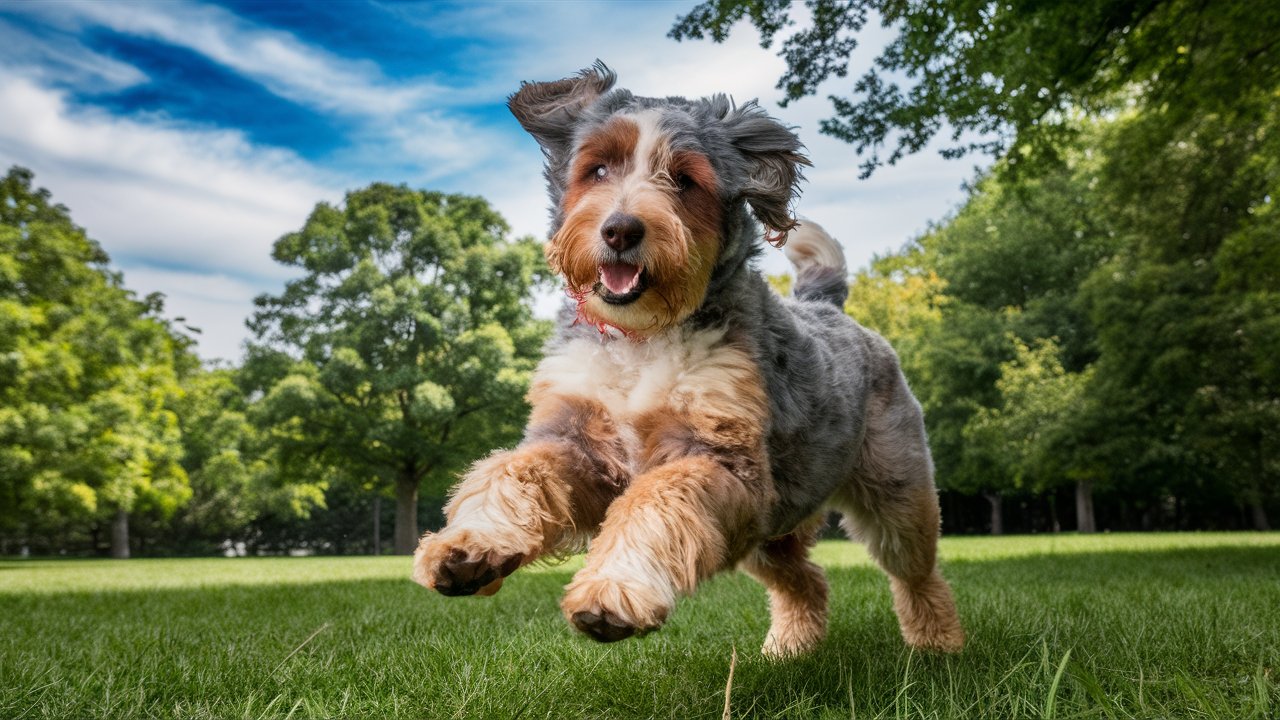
{"x": 733, "y": 270}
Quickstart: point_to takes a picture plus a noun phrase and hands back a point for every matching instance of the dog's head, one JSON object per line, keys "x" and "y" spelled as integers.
{"x": 643, "y": 191}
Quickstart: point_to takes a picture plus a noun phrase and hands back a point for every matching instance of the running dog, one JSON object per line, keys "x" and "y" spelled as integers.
{"x": 687, "y": 419}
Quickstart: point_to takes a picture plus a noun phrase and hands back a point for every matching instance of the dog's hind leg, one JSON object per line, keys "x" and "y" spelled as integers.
{"x": 892, "y": 505}
{"x": 516, "y": 505}
{"x": 797, "y": 590}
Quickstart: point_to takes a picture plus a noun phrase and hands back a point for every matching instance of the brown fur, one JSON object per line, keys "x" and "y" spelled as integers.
{"x": 681, "y": 224}
{"x": 797, "y": 590}
{"x": 677, "y": 525}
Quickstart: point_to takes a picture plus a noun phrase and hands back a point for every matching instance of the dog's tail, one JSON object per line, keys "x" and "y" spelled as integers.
{"x": 819, "y": 264}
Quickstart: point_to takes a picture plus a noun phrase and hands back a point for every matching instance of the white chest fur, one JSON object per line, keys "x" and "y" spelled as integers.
{"x": 680, "y": 370}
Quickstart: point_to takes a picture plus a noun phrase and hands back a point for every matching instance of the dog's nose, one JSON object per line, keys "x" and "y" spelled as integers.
{"x": 622, "y": 232}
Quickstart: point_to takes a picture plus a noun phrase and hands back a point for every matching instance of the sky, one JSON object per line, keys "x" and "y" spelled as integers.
{"x": 186, "y": 137}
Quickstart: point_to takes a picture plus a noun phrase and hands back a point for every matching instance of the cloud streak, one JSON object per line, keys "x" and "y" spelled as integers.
{"x": 180, "y": 195}
{"x": 278, "y": 60}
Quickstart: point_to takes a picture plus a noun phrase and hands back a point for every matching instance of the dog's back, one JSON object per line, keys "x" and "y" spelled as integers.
{"x": 828, "y": 380}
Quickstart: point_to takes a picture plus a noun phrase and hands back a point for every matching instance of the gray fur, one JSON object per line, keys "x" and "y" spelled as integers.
{"x": 821, "y": 283}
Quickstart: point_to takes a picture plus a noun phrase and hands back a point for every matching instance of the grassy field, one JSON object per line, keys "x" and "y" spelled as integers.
{"x": 1108, "y": 626}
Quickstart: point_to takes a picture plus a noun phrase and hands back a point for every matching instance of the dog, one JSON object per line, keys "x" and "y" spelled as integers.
{"x": 687, "y": 419}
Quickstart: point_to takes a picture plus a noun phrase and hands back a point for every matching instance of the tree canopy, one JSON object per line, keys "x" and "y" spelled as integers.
{"x": 404, "y": 350}
{"x": 1102, "y": 324}
{"x": 1013, "y": 75}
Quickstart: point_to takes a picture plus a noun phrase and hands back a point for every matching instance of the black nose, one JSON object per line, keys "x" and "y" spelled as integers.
{"x": 622, "y": 232}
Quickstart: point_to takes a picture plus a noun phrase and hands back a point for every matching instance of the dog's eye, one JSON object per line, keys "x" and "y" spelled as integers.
{"x": 684, "y": 182}
{"x": 601, "y": 172}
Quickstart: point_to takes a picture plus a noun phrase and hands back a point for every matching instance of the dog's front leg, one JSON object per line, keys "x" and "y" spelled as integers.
{"x": 517, "y": 505}
{"x": 677, "y": 524}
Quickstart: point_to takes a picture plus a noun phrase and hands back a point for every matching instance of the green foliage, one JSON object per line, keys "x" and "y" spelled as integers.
{"x": 89, "y": 378}
{"x": 1012, "y": 74}
{"x": 1112, "y": 319}
{"x": 1186, "y": 310}
{"x": 1027, "y": 437}
{"x": 234, "y": 478}
{"x": 404, "y": 350}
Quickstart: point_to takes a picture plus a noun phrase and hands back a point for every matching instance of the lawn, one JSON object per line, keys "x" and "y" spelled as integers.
{"x": 1106, "y": 626}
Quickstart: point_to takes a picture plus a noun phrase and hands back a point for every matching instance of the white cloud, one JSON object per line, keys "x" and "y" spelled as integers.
{"x": 278, "y": 60}
{"x": 174, "y": 194}
{"x": 409, "y": 121}
{"x": 63, "y": 59}
{"x": 217, "y": 304}
{"x": 158, "y": 194}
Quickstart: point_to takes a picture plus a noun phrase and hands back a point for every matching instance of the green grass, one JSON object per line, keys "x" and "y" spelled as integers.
{"x": 1109, "y": 626}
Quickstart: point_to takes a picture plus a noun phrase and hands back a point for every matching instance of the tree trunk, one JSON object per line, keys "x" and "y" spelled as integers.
{"x": 1259, "y": 514}
{"x": 406, "y": 540}
{"x": 1084, "y": 507}
{"x": 997, "y": 512}
{"x": 377, "y": 525}
{"x": 120, "y": 535}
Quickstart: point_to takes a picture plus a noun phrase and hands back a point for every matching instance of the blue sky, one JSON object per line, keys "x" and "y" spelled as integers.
{"x": 187, "y": 136}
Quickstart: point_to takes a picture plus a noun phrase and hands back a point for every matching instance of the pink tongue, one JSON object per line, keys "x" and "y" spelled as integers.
{"x": 619, "y": 278}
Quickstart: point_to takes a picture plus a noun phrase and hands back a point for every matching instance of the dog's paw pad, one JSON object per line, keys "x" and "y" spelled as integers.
{"x": 464, "y": 574}
{"x": 603, "y": 626}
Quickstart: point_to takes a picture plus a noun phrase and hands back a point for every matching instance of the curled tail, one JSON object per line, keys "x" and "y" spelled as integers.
{"x": 819, "y": 264}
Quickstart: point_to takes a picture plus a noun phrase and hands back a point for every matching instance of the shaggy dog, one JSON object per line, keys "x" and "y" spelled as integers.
{"x": 686, "y": 418}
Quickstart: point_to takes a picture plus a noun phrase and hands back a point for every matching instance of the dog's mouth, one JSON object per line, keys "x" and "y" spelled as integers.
{"x": 621, "y": 283}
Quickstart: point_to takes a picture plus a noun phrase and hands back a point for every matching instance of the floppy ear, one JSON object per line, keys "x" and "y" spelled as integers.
{"x": 549, "y": 110}
{"x": 772, "y": 154}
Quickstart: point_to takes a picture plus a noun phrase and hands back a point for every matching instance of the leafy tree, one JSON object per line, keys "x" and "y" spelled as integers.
{"x": 1032, "y": 433}
{"x": 1186, "y": 312}
{"x": 1155, "y": 280}
{"x": 405, "y": 349}
{"x": 1013, "y": 73}
{"x": 88, "y": 379}
{"x": 232, "y": 470}
{"x": 1003, "y": 270}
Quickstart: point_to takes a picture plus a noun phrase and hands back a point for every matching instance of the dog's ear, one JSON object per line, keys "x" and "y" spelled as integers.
{"x": 773, "y": 158}
{"x": 549, "y": 110}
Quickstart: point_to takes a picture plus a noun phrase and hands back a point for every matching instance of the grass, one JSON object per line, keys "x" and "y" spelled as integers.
{"x": 1107, "y": 626}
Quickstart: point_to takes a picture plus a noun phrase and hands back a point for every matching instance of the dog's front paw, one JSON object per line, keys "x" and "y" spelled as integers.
{"x": 457, "y": 564}
{"x": 609, "y": 610}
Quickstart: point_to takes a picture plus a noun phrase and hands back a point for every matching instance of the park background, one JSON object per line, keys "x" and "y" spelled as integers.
{"x": 270, "y": 276}
{"x": 1064, "y": 219}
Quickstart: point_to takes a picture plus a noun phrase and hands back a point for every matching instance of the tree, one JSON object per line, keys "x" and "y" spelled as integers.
{"x": 231, "y": 467}
{"x": 1130, "y": 217}
{"x": 1149, "y": 263}
{"x": 1013, "y": 74}
{"x": 1032, "y": 432}
{"x": 88, "y": 379}
{"x": 405, "y": 349}
{"x": 1186, "y": 312}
